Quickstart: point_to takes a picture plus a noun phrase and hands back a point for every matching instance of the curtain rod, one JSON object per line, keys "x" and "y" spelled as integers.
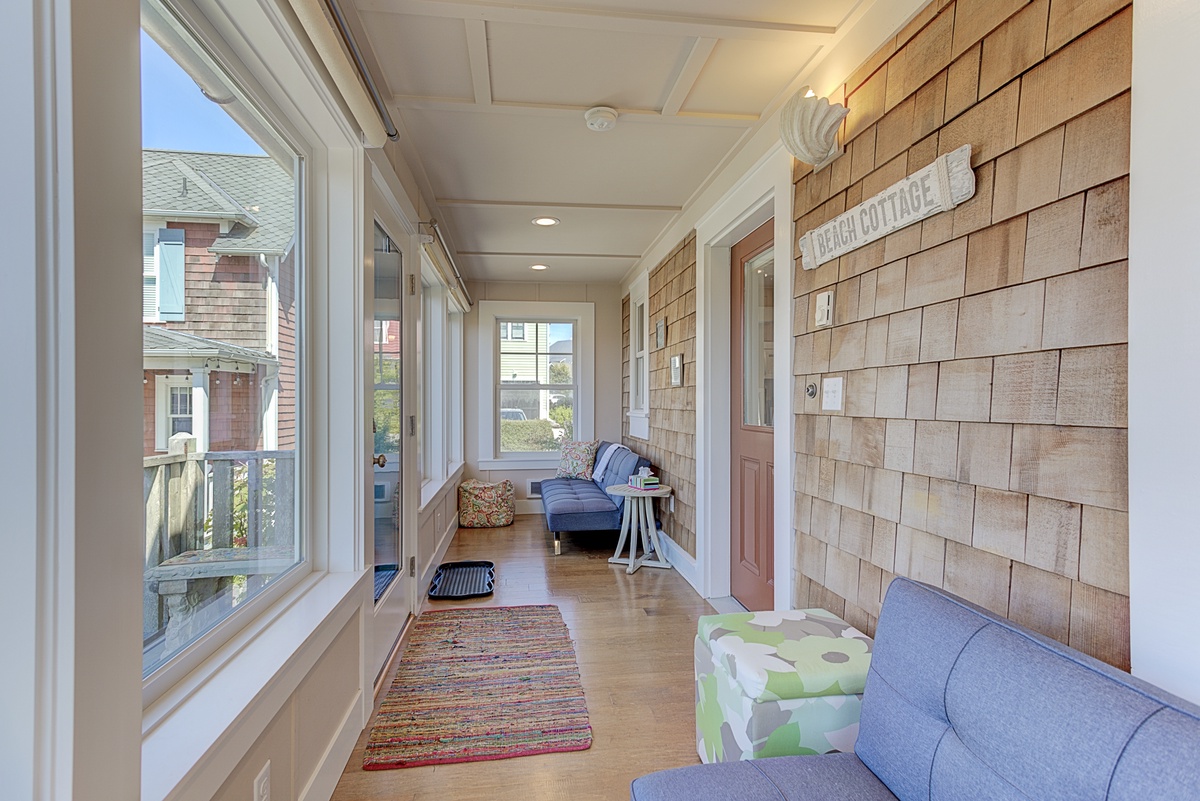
{"x": 433, "y": 223}
{"x": 388, "y": 125}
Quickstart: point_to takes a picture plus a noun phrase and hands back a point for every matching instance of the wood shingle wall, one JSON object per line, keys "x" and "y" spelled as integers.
{"x": 672, "y": 444}
{"x": 982, "y": 443}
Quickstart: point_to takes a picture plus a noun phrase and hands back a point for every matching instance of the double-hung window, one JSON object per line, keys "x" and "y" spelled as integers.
{"x": 540, "y": 357}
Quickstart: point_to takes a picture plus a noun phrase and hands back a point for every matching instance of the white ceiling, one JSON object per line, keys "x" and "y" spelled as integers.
{"x": 489, "y": 97}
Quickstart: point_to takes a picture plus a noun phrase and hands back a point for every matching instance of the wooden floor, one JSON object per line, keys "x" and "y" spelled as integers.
{"x": 633, "y": 639}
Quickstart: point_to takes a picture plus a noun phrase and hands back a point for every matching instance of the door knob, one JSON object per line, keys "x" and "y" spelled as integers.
{"x": 380, "y": 460}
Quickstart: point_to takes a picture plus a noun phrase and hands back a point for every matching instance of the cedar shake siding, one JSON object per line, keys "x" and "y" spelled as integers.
{"x": 982, "y": 443}
{"x": 225, "y": 297}
{"x": 288, "y": 310}
{"x": 672, "y": 444}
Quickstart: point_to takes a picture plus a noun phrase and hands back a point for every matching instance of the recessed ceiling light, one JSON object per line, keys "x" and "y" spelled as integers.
{"x": 547, "y": 221}
{"x": 538, "y": 267}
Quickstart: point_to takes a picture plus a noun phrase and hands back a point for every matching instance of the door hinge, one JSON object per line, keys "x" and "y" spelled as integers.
{"x": 412, "y": 566}
{"x": 412, "y": 425}
{"x": 412, "y": 284}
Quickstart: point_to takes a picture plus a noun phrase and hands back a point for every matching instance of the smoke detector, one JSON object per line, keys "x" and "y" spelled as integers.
{"x": 600, "y": 118}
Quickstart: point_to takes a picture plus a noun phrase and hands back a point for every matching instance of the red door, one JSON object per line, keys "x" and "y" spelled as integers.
{"x": 752, "y": 445}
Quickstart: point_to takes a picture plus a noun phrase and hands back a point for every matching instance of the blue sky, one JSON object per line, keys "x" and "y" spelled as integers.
{"x": 176, "y": 116}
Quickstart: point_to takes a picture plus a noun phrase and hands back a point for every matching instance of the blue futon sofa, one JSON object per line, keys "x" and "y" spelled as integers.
{"x": 962, "y": 705}
{"x": 577, "y": 504}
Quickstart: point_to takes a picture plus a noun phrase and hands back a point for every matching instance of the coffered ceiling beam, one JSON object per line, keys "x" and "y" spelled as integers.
{"x": 477, "y": 52}
{"x": 697, "y": 58}
{"x": 467, "y": 253}
{"x": 630, "y": 115}
{"x": 534, "y": 204}
{"x": 622, "y": 20}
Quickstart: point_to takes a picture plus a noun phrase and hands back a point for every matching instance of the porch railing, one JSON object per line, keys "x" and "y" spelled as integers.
{"x": 198, "y": 502}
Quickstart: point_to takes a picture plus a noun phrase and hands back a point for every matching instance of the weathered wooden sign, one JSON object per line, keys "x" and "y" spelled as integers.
{"x": 940, "y": 186}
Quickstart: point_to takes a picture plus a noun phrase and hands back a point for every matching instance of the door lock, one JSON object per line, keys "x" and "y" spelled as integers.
{"x": 380, "y": 460}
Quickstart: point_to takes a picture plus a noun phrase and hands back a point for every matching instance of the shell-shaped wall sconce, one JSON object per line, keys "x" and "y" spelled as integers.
{"x": 809, "y": 126}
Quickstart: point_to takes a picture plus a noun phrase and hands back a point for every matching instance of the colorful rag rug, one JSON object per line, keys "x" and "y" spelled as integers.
{"x": 479, "y": 684}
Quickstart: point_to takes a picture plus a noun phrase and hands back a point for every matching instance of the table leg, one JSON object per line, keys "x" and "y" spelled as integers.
{"x": 634, "y": 563}
{"x": 626, "y": 519}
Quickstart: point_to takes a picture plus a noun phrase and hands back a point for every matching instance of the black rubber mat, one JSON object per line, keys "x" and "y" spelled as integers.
{"x": 454, "y": 581}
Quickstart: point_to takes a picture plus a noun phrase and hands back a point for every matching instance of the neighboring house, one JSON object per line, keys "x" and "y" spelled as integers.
{"x": 218, "y": 300}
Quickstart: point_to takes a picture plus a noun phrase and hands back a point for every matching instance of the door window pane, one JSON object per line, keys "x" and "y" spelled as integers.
{"x": 758, "y": 339}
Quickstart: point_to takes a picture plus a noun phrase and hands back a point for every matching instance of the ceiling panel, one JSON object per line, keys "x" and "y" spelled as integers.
{"x": 508, "y": 229}
{"x": 569, "y": 269}
{"x": 423, "y": 56}
{"x": 742, "y": 77}
{"x": 581, "y": 66}
{"x": 796, "y": 12}
{"x": 555, "y": 158}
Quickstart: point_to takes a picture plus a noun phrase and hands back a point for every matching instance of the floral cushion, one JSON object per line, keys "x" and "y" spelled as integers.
{"x": 577, "y": 460}
{"x": 484, "y": 505}
{"x": 801, "y": 653}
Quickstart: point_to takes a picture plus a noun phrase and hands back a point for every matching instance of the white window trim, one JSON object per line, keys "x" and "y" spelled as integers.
{"x": 583, "y": 315}
{"x": 639, "y": 416}
{"x": 151, "y": 226}
{"x": 162, "y": 404}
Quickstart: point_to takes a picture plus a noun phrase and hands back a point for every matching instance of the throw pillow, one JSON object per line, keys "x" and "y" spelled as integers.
{"x": 577, "y": 460}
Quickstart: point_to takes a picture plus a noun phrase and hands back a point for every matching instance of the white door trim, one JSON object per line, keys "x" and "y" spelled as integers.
{"x": 764, "y": 192}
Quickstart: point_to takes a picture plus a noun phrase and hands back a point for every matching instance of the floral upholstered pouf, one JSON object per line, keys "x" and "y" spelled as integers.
{"x": 484, "y": 505}
{"x": 778, "y": 684}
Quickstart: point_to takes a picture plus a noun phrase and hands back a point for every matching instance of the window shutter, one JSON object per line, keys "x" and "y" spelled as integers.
{"x": 149, "y": 278}
{"x": 170, "y": 274}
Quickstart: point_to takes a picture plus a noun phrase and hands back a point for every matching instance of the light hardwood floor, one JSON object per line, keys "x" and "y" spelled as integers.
{"x": 633, "y": 640}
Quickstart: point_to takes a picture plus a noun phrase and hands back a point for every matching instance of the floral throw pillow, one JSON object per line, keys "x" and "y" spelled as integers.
{"x": 577, "y": 460}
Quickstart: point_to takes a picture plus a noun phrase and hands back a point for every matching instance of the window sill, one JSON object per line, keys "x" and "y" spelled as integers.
{"x": 639, "y": 425}
{"x": 520, "y": 463}
{"x": 431, "y": 489}
{"x": 200, "y": 723}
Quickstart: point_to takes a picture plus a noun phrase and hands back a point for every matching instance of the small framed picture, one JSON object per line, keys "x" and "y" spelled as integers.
{"x": 677, "y": 370}
{"x": 660, "y": 333}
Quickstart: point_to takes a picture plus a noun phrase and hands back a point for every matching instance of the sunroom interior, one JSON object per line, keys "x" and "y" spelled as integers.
{"x": 464, "y": 233}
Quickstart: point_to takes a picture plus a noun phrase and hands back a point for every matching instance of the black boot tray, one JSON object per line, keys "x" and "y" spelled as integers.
{"x": 455, "y": 581}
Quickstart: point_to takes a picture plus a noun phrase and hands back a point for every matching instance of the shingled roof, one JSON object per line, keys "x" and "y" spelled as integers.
{"x": 158, "y": 341}
{"x": 252, "y": 191}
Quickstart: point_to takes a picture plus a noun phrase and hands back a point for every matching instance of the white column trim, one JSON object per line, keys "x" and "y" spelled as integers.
{"x": 200, "y": 409}
{"x": 765, "y": 191}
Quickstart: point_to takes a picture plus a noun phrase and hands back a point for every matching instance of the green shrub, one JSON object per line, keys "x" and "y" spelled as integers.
{"x": 527, "y": 435}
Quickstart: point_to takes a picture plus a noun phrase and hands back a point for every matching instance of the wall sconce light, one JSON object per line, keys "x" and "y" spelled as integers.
{"x": 808, "y": 126}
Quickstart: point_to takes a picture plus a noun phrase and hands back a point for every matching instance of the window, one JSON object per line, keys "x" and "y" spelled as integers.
{"x": 222, "y": 526}
{"x": 509, "y": 330}
{"x": 543, "y": 390}
{"x": 639, "y": 359}
{"x": 173, "y": 408}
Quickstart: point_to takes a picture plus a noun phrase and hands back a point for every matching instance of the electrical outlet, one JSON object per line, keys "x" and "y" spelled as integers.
{"x": 262, "y": 783}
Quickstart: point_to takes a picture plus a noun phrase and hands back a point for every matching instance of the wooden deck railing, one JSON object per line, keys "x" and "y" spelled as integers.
{"x": 215, "y": 500}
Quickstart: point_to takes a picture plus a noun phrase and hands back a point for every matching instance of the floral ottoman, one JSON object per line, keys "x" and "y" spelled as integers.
{"x": 484, "y": 505}
{"x": 778, "y": 684}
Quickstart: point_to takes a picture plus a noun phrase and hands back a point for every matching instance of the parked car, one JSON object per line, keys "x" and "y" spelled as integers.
{"x": 512, "y": 414}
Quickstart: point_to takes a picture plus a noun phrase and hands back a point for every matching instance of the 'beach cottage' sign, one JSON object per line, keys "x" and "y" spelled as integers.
{"x": 941, "y": 186}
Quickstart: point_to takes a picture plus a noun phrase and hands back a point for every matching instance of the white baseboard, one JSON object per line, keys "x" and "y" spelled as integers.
{"x": 529, "y": 506}
{"x": 683, "y": 562}
{"x": 325, "y": 778}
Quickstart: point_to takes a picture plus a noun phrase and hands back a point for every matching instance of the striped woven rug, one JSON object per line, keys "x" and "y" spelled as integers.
{"x": 479, "y": 684}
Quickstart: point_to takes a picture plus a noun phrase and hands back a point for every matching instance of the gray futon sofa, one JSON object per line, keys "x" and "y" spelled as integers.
{"x": 577, "y": 504}
{"x": 962, "y": 705}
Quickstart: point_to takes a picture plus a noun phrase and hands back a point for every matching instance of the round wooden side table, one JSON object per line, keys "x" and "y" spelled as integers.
{"x": 637, "y": 522}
